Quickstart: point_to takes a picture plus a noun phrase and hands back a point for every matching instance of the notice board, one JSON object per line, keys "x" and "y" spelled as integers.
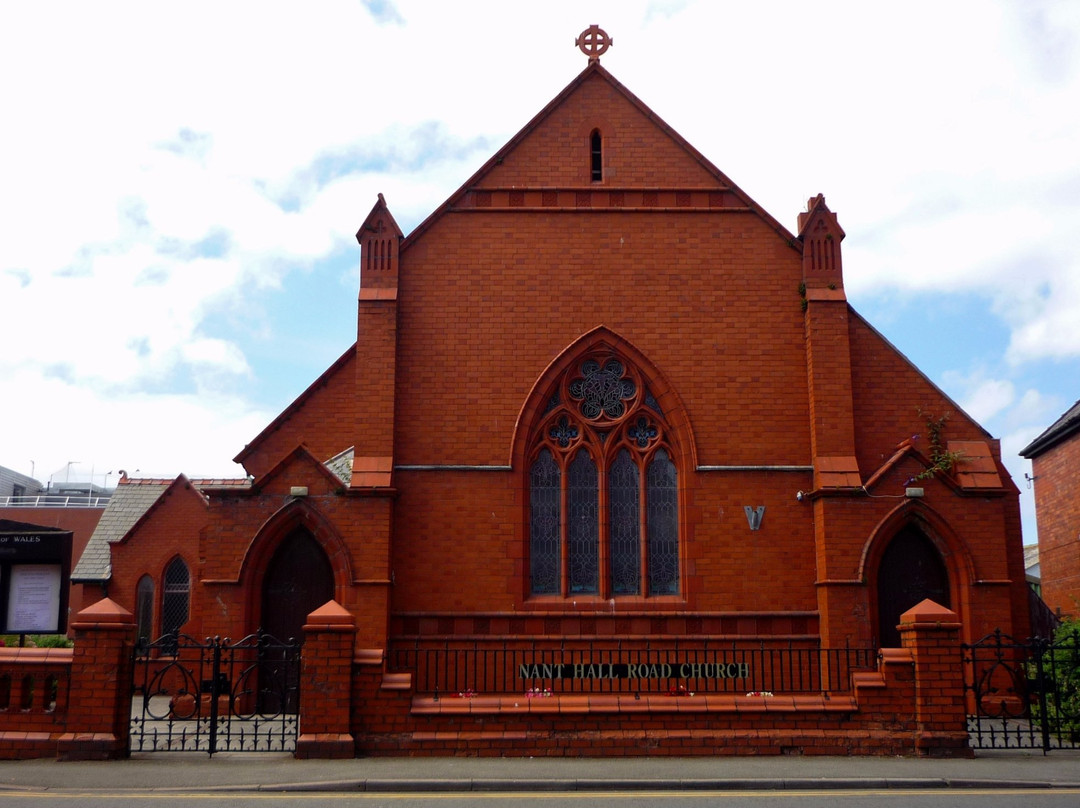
{"x": 35, "y": 574}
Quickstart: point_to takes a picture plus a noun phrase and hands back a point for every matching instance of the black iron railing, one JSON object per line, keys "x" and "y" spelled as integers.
{"x": 481, "y": 667}
{"x": 1023, "y": 694}
{"x": 216, "y": 695}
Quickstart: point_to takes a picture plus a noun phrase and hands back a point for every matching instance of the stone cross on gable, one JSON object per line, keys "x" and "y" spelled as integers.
{"x": 593, "y": 42}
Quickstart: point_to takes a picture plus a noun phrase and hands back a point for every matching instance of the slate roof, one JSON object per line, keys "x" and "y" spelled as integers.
{"x": 341, "y": 466}
{"x": 135, "y": 496}
{"x": 1062, "y": 428}
{"x": 128, "y": 503}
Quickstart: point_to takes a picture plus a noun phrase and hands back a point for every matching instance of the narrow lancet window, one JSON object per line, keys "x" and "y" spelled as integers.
{"x": 544, "y": 542}
{"x": 597, "y": 155}
{"x": 625, "y": 525}
{"x": 583, "y": 525}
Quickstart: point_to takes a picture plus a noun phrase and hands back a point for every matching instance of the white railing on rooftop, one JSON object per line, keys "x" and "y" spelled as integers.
{"x": 55, "y": 501}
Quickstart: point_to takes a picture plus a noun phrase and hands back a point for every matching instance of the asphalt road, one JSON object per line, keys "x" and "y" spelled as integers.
{"x": 853, "y": 798}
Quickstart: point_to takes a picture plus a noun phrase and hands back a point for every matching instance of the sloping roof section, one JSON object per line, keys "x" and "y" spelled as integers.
{"x": 341, "y": 465}
{"x": 975, "y": 467}
{"x": 133, "y": 499}
{"x": 1065, "y": 426}
{"x": 129, "y": 502}
{"x": 542, "y": 167}
{"x": 836, "y": 472}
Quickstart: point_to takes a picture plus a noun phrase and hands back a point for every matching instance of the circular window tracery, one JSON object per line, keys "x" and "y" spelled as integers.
{"x": 603, "y": 391}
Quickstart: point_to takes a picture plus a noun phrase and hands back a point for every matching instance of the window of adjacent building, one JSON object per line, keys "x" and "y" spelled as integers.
{"x": 144, "y": 609}
{"x": 596, "y": 155}
{"x": 174, "y": 600}
{"x": 603, "y": 489}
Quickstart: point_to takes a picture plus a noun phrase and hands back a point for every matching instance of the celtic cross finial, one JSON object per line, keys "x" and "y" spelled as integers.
{"x": 593, "y": 41}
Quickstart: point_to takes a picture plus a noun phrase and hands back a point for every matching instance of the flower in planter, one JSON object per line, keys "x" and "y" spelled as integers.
{"x": 764, "y": 693}
{"x": 537, "y": 693}
{"x": 468, "y": 693}
{"x": 679, "y": 690}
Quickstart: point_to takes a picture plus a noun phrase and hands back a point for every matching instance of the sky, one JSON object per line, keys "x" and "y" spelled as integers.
{"x": 180, "y": 185}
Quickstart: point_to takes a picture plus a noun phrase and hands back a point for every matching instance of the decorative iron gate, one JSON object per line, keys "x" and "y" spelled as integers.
{"x": 215, "y": 696}
{"x": 1023, "y": 695}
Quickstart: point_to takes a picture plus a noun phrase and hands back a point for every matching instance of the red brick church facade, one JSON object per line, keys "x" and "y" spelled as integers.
{"x": 598, "y": 394}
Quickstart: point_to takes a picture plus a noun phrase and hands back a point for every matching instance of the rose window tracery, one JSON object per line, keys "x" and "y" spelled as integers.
{"x": 602, "y": 390}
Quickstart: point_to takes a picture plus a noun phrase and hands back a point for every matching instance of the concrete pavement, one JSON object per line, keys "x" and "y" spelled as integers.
{"x": 193, "y": 771}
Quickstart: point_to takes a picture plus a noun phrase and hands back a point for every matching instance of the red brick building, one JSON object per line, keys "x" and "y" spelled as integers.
{"x": 1055, "y": 466}
{"x": 598, "y": 394}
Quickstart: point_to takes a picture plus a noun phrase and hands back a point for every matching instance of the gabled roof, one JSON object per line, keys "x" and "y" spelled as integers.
{"x": 302, "y": 455}
{"x": 593, "y": 70}
{"x": 380, "y": 214}
{"x": 905, "y": 449}
{"x": 975, "y": 467}
{"x": 134, "y": 499}
{"x": 1064, "y": 427}
{"x": 129, "y": 502}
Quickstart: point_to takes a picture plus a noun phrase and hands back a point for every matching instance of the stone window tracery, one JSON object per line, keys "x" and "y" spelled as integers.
{"x": 603, "y": 488}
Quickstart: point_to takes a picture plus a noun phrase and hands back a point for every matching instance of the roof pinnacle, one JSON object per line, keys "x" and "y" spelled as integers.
{"x": 593, "y": 41}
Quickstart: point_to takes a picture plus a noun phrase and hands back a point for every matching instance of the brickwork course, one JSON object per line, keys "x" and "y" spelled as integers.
{"x": 597, "y": 232}
{"x": 1055, "y": 461}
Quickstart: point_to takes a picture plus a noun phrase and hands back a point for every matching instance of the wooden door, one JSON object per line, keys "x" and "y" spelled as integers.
{"x": 910, "y": 571}
{"x": 299, "y": 579}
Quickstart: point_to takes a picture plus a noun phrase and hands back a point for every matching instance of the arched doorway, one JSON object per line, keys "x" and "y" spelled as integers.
{"x": 298, "y": 580}
{"x": 911, "y": 570}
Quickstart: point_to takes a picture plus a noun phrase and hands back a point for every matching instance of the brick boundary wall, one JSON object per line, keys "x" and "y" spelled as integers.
{"x": 89, "y": 718}
{"x": 31, "y": 721}
{"x": 912, "y": 704}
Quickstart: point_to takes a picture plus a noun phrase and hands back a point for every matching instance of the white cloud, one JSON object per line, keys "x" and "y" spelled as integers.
{"x": 167, "y": 169}
{"x": 1045, "y": 316}
{"x": 988, "y": 398}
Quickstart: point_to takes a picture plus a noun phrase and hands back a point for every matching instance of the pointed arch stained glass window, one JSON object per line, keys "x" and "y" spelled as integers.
{"x": 603, "y": 488}
{"x": 174, "y": 599}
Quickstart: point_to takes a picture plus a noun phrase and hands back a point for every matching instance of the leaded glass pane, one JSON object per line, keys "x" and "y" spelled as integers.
{"x": 625, "y": 507}
{"x": 583, "y": 525}
{"x": 563, "y": 432}
{"x": 544, "y": 498}
{"x": 174, "y": 601}
{"x": 663, "y": 525}
{"x": 642, "y": 432}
